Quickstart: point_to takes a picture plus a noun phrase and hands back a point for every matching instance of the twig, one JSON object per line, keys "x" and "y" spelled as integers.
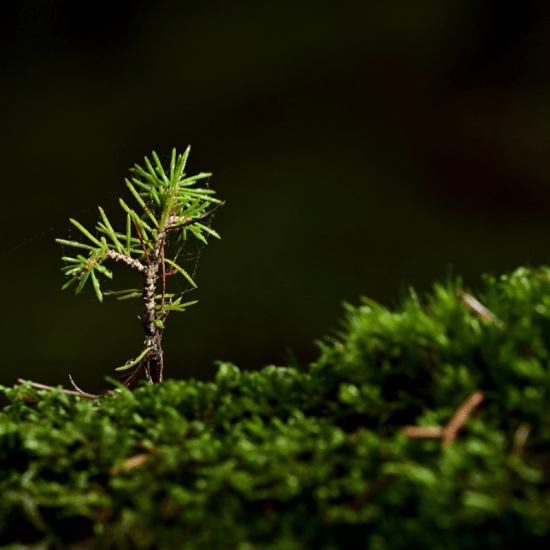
{"x": 520, "y": 438}
{"x": 159, "y": 248}
{"x": 133, "y": 376}
{"x": 450, "y": 431}
{"x": 148, "y": 448}
{"x": 480, "y": 309}
{"x": 129, "y": 464}
{"x": 132, "y": 262}
{"x": 423, "y": 432}
{"x": 83, "y": 393}
{"x": 171, "y": 271}
{"x": 148, "y": 370}
{"x": 460, "y": 417}
{"x": 79, "y": 393}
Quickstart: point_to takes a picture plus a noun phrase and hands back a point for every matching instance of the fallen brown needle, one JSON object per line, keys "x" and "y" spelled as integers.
{"x": 449, "y": 432}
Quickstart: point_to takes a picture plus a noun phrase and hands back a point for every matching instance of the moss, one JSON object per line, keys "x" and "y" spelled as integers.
{"x": 301, "y": 459}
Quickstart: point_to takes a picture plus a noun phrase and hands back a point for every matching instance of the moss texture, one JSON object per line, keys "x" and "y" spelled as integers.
{"x": 291, "y": 459}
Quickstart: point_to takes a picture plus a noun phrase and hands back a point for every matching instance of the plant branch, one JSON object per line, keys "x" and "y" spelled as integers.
{"x": 78, "y": 393}
{"x": 76, "y": 387}
{"x": 132, "y": 262}
{"x": 450, "y": 431}
{"x": 165, "y": 200}
{"x": 148, "y": 370}
{"x": 132, "y": 377}
{"x": 459, "y": 418}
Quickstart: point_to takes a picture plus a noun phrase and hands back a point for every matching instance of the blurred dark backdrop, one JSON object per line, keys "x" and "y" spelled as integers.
{"x": 361, "y": 147}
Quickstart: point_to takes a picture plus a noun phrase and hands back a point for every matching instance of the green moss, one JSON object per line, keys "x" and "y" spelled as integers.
{"x": 290, "y": 459}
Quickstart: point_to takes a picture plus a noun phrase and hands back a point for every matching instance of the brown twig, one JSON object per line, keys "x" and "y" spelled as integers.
{"x": 129, "y": 464}
{"x": 83, "y": 393}
{"x": 132, "y": 376}
{"x": 159, "y": 249}
{"x": 148, "y": 448}
{"x": 171, "y": 271}
{"x": 520, "y": 438}
{"x": 137, "y": 460}
{"x": 148, "y": 370}
{"x": 78, "y": 393}
{"x": 423, "y": 432}
{"x": 459, "y": 418}
{"x": 480, "y": 309}
{"x": 449, "y": 432}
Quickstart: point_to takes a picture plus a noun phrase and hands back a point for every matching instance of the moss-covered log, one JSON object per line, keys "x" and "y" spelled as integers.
{"x": 320, "y": 458}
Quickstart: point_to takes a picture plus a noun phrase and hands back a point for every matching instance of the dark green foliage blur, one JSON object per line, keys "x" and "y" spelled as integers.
{"x": 286, "y": 458}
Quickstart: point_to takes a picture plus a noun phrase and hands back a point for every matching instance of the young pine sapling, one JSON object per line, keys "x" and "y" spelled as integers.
{"x": 172, "y": 209}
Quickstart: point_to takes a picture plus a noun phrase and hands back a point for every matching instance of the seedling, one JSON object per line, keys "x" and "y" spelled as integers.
{"x": 173, "y": 209}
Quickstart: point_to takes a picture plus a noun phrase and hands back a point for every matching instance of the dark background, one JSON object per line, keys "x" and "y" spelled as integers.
{"x": 361, "y": 147}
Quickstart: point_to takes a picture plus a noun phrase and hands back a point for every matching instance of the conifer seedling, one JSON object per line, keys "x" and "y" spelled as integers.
{"x": 171, "y": 209}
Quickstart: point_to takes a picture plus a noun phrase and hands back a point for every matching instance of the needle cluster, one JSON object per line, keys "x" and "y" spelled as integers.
{"x": 170, "y": 207}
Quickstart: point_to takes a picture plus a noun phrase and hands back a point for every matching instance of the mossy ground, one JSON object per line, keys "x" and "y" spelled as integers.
{"x": 306, "y": 459}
